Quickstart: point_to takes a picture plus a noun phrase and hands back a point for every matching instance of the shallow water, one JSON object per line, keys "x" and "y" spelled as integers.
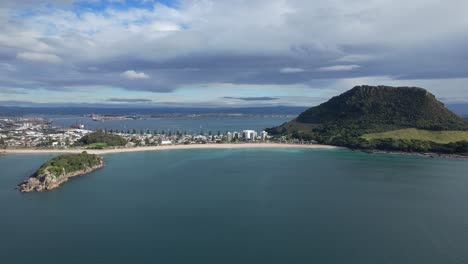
{"x": 240, "y": 206}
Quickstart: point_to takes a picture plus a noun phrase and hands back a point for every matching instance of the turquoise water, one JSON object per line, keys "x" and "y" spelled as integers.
{"x": 240, "y": 206}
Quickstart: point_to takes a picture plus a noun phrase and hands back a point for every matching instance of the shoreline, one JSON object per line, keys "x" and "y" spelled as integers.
{"x": 5, "y": 152}
{"x": 172, "y": 147}
{"x": 419, "y": 154}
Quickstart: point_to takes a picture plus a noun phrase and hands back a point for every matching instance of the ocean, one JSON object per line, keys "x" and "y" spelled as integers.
{"x": 240, "y": 206}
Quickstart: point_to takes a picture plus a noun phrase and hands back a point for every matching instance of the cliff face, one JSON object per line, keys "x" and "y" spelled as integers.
{"x": 46, "y": 181}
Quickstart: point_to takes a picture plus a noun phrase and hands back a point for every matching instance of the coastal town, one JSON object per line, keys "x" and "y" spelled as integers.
{"x": 16, "y": 133}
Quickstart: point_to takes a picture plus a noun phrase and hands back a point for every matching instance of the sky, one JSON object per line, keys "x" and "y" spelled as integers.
{"x": 211, "y": 53}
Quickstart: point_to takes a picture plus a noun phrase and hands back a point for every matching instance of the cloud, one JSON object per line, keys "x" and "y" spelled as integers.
{"x": 300, "y": 42}
{"x": 12, "y": 91}
{"x": 291, "y": 70}
{"x": 129, "y": 100}
{"x": 133, "y": 75}
{"x": 38, "y": 57}
{"x": 7, "y": 67}
{"x": 336, "y": 68}
{"x": 252, "y": 98}
{"x": 354, "y": 58}
{"x": 165, "y": 26}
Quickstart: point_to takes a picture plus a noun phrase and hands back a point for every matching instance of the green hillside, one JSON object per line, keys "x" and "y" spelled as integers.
{"x": 382, "y": 107}
{"x": 441, "y": 137}
{"x": 101, "y": 139}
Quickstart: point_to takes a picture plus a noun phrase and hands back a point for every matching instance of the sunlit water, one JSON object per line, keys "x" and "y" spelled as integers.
{"x": 240, "y": 206}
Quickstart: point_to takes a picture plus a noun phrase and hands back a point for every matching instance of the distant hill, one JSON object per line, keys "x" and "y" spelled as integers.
{"x": 344, "y": 119}
{"x": 100, "y": 139}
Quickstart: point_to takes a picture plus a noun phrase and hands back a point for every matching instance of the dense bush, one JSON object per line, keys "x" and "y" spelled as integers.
{"x": 104, "y": 138}
{"x": 384, "y": 108}
{"x": 69, "y": 163}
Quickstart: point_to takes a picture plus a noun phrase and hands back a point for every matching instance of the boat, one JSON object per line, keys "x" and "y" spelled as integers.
{"x": 77, "y": 126}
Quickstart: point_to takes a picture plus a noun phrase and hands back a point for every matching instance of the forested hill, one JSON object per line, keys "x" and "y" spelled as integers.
{"x": 359, "y": 117}
{"x": 383, "y": 108}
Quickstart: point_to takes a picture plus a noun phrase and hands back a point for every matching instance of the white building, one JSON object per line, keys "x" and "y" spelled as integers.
{"x": 263, "y": 135}
{"x": 249, "y": 134}
{"x": 166, "y": 142}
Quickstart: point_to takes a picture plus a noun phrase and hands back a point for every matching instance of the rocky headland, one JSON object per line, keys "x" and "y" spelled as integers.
{"x": 57, "y": 171}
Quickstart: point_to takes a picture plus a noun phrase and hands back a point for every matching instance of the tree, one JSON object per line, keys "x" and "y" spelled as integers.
{"x": 134, "y": 131}
{"x": 141, "y": 131}
{"x": 170, "y": 132}
{"x": 101, "y": 137}
{"x": 155, "y": 132}
{"x": 148, "y": 132}
{"x": 219, "y": 133}
{"x": 209, "y": 133}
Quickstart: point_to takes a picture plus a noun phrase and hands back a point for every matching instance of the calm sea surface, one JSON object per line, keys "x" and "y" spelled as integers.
{"x": 240, "y": 206}
{"x": 189, "y": 124}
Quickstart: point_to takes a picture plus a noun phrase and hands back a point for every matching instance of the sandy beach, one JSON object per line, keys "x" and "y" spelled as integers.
{"x": 158, "y": 148}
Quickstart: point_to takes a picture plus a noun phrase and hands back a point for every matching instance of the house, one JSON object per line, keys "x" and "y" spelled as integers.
{"x": 166, "y": 142}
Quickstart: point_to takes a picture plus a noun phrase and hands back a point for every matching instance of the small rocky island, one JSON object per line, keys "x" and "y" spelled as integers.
{"x": 57, "y": 171}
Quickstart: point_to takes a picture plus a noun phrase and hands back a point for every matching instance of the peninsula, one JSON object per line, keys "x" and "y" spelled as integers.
{"x": 56, "y": 171}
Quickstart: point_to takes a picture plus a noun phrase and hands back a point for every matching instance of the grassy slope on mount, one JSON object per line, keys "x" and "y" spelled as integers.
{"x": 69, "y": 163}
{"x": 441, "y": 137}
{"x": 374, "y": 109}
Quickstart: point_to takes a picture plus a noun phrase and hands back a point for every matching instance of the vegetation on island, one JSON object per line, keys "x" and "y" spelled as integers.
{"x": 362, "y": 117}
{"x": 69, "y": 163}
{"x": 101, "y": 139}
